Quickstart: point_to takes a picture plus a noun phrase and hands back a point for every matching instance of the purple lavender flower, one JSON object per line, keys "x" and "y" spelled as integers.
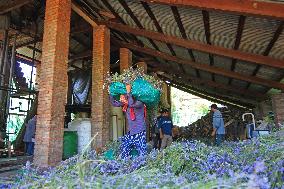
{"x": 259, "y": 166}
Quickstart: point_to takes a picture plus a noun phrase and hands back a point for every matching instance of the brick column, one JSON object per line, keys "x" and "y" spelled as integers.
{"x": 53, "y": 81}
{"x": 125, "y": 59}
{"x": 142, "y": 65}
{"x": 278, "y": 108}
{"x": 100, "y": 98}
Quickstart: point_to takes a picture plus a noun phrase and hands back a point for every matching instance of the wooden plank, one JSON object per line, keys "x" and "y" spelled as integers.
{"x": 241, "y": 25}
{"x": 83, "y": 14}
{"x": 205, "y": 15}
{"x": 133, "y": 37}
{"x": 212, "y": 99}
{"x": 12, "y": 5}
{"x": 205, "y": 95}
{"x": 210, "y": 83}
{"x": 183, "y": 34}
{"x": 137, "y": 22}
{"x": 205, "y": 67}
{"x": 243, "y": 7}
{"x": 212, "y": 93}
{"x": 189, "y": 44}
{"x": 159, "y": 28}
{"x": 269, "y": 47}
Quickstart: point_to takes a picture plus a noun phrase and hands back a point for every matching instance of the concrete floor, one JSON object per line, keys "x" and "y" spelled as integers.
{"x": 9, "y": 167}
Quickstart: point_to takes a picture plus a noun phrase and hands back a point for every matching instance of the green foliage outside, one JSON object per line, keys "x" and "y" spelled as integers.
{"x": 14, "y": 126}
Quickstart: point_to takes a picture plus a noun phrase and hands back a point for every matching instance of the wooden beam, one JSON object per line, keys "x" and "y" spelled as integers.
{"x": 183, "y": 34}
{"x": 85, "y": 54}
{"x": 159, "y": 28}
{"x": 210, "y": 98}
{"x": 205, "y": 95}
{"x": 81, "y": 28}
{"x": 137, "y": 22}
{"x": 205, "y": 67}
{"x": 243, "y": 7}
{"x": 12, "y": 5}
{"x": 212, "y": 93}
{"x": 190, "y": 44}
{"x": 269, "y": 47}
{"x": 210, "y": 83}
{"x": 238, "y": 41}
{"x": 133, "y": 37}
{"x": 83, "y": 14}
{"x": 206, "y": 23}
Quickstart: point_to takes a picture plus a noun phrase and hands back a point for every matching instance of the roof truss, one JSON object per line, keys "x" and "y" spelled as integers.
{"x": 190, "y": 44}
{"x": 204, "y": 67}
{"x": 13, "y": 5}
{"x": 247, "y": 7}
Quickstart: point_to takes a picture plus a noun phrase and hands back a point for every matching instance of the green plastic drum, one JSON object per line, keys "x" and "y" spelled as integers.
{"x": 70, "y": 143}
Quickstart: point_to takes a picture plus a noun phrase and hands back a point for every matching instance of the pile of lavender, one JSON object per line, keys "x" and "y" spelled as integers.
{"x": 257, "y": 163}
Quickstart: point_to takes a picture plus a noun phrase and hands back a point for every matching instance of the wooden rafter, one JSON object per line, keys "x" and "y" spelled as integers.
{"x": 206, "y": 22}
{"x": 213, "y": 99}
{"x": 83, "y": 14}
{"x": 204, "y": 67}
{"x": 205, "y": 90}
{"x": 133, "y": 37}
{"x": 82, "y": 55}
{"x": 183, "y": 34}
{"x": 81, "y": 28}
{"x": 241, "y": 25}
{"x": 12, "y": 5}
{"x": 243, "y": 7}
{"x": 159, "y": 28}
{"x": 203, "y": 94}
{"x": 269, "y": 47}
{"x": 137, "y": 22}
{"x": 190, "y": 44}
{"x": 91, "y": 7}
{"x": 210, "y": 83}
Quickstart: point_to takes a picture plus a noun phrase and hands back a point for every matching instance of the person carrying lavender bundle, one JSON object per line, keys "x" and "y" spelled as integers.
{"x": 135, "y": 111}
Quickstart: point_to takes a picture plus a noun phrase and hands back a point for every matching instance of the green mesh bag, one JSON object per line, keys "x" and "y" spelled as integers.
{"x": 143, "y": 91}
{"x": 116, "y": 89}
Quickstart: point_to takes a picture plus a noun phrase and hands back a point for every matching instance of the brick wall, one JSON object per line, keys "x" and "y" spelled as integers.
{"x": 278, "y": 108}
{"x": 100, "y": 98}
{"x": 125, "y": 59}
{"x": 53, "y": 81}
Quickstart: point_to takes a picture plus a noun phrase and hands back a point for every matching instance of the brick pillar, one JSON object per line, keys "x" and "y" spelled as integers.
{"x": 53, "y": 89}
{"x": 125, "y": 59}
{"x": 100, "y": 98}
{"x": 142, "y": 65}
{"x": 278, "y": 108}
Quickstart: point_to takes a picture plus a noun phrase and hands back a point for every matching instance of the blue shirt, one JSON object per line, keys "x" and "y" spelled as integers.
{"x": 218, "y": 122}
{"x": 30, "y": 130}
{"x": 166, "y": 124}
{"x": 138, "y": 124}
